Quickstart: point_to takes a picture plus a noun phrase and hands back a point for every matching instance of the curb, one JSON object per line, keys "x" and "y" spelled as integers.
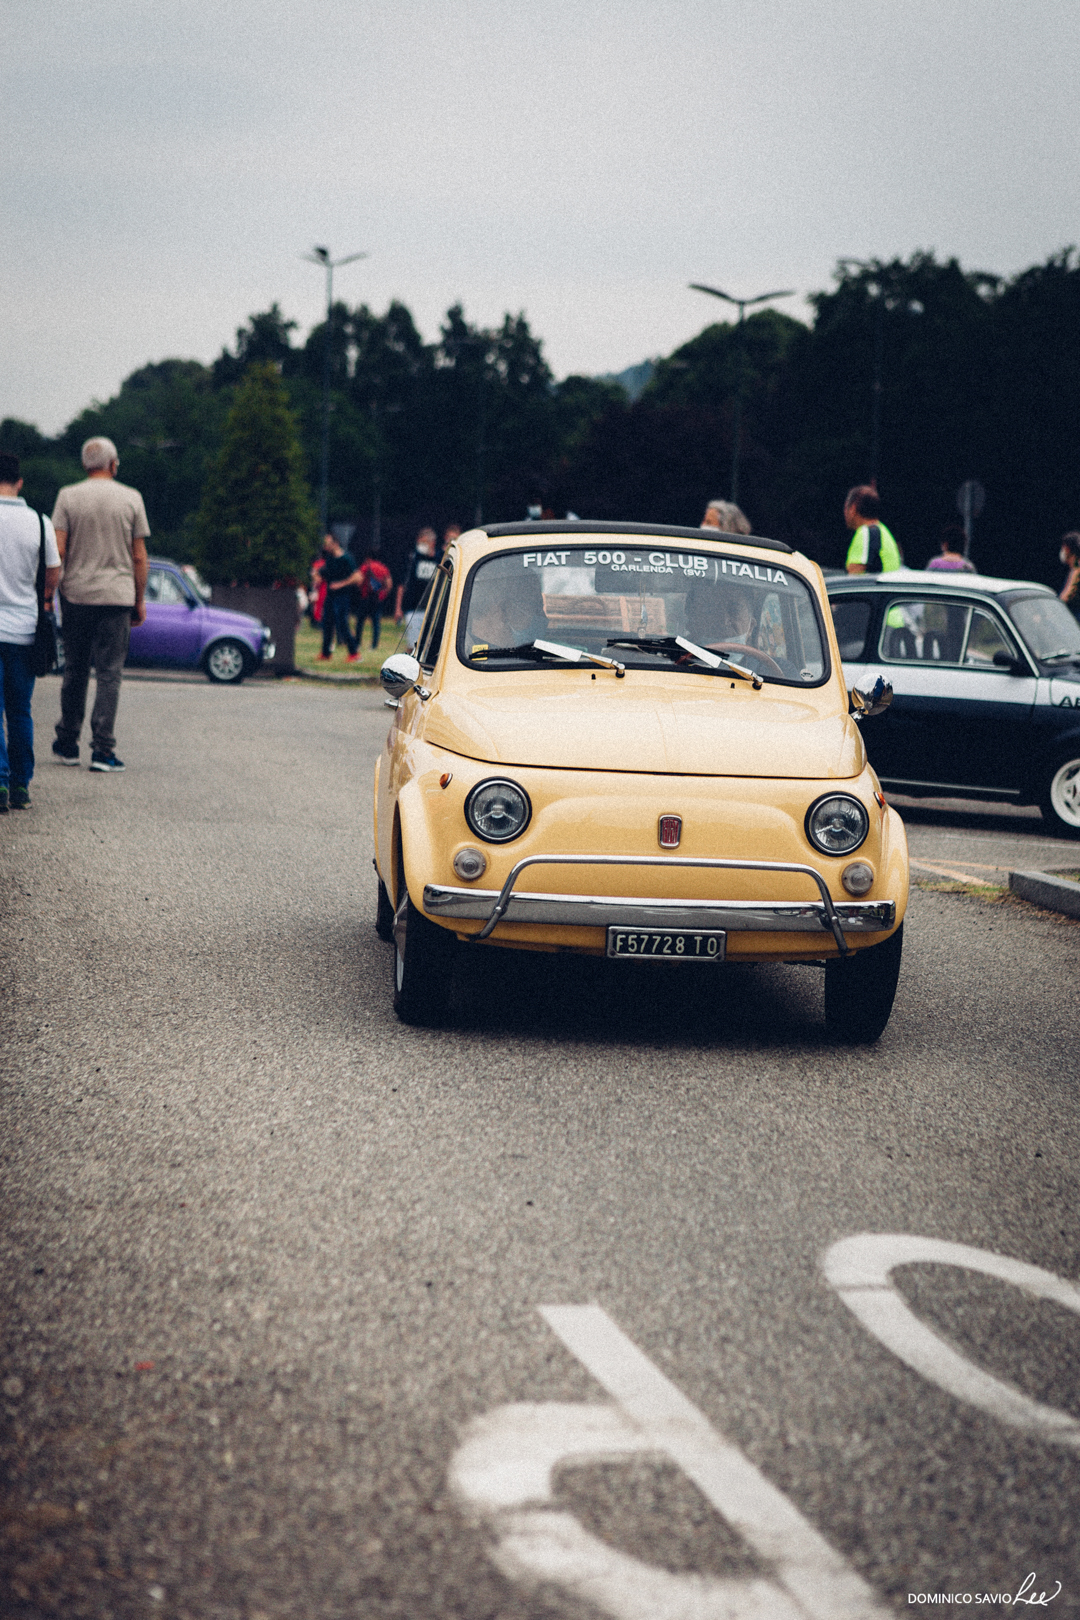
{"x": 1047, "y": 890}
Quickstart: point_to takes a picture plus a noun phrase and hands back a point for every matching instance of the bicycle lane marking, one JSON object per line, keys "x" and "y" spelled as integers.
{"x": 859, "y": 1269}
{"x": 503, "y": 1471}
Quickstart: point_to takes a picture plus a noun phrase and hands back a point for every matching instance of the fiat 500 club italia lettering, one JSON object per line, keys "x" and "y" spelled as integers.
{"x": 636, "y": 743}
{"x": 986, "y": 675}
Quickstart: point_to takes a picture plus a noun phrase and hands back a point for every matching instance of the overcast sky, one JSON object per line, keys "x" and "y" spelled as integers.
{"x": 168, "y": 161}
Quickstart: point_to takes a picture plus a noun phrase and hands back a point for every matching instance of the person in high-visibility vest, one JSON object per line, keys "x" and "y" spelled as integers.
{"x": 873, "y": 549}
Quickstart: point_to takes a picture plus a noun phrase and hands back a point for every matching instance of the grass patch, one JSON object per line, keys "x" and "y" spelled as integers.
{"x": 1072, "y": 877}
{"x": 981, "y": 891}
{"x": 309, "y": 645}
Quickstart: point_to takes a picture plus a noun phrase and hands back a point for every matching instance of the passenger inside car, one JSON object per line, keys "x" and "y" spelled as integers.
{"x": 718, "y": 615}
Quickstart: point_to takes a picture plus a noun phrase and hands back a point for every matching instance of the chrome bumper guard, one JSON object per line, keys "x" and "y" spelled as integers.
{"x": 628, "y": 911}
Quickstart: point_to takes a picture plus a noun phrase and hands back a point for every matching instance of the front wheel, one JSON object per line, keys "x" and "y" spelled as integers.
{"x": 860, "y": 990}
{"x": 423, "y": 963}
{"x": 1060, "y": 798}
{"x": 227, "y": 663}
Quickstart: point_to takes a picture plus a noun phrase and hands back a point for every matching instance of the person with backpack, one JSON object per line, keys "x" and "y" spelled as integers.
{"x": 27, "y": 541}
{"x": 873, "y": 549}
{"x": 373, "y": 583}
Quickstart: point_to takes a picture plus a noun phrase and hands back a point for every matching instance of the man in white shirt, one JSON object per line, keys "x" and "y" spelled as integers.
{"x": 101, "y": 530}
{"x": 20, "y": 554}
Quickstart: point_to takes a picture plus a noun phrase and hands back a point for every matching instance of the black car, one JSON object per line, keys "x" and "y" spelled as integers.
{"x": 986, "y": 681}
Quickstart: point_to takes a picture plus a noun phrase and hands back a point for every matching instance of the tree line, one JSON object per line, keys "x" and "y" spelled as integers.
{"x": 916, "y": 371}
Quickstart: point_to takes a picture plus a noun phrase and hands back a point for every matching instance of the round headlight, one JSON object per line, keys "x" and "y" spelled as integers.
{"x": 836, "y": 825}
{"x": 498, "y": 810}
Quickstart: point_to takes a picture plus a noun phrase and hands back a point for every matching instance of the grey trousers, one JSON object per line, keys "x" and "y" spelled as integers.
{"x": 98, "y": 637}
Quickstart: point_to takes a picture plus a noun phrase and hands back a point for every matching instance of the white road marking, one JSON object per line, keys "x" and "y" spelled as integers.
{"x": 503, "y": 1472}
{"x": 858, "y": 1268}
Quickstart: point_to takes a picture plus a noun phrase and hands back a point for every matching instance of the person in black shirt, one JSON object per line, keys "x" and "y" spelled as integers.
{"x": 418, "y": 576}
{"x": 338, "y": 567}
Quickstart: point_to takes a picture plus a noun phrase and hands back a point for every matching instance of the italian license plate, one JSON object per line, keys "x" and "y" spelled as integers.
{"x": 667, "y": 944}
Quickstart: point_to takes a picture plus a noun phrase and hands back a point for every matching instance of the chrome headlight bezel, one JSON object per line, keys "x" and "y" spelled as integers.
{"x": 858, "y": 835}
{"x": 515, "y": 791}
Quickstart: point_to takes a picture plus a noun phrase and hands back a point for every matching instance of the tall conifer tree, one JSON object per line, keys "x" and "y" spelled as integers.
{"x": 256, "y": 523}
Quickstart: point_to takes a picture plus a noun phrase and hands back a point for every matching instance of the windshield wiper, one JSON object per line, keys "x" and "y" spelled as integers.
{"x": 539, "y": 650}
{"x": 677, "y": 647}
{"x": 1063, "y": 652}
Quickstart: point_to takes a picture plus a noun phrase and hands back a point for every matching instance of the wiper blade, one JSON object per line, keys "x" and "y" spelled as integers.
{"x": 677, "y": 647}
{"x": 1063, "y": 652}
{"x": 539, "y": 650}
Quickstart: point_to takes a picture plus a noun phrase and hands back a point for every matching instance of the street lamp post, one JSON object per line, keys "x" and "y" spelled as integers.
{"x": 321, "y": 255}
{"x": 877, "y": 386}
{"x": 743, "y": 305}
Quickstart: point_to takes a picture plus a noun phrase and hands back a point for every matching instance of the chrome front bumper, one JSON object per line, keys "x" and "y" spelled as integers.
{"x": 838, "y": 917}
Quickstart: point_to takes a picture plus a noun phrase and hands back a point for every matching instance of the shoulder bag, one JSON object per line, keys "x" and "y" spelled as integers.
{"x": 43, "y": 659}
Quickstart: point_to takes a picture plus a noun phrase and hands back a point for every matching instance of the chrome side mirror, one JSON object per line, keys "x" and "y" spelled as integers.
{"x": 864, "y": 705}
{"x": 400, "y": 675}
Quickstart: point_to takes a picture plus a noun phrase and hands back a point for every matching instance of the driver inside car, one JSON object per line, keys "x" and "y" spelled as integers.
{"x": 506, "y": 612}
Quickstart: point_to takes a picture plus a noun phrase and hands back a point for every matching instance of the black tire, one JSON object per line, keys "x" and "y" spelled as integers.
{"x": 860, "y": 990}
{"x": 1059, "y": 799}
{"x": 227, "y": 662}
{"x": 384, "y": 914}
{"x": 423, "y": 962}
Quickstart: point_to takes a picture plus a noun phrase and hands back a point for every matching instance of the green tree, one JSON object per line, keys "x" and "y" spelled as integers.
{"x": 256, "y": 523}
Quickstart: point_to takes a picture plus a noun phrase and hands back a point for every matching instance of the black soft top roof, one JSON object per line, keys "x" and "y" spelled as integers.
{"x": 662, "y": 531}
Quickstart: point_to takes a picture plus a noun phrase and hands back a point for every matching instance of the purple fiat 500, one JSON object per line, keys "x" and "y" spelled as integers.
{"x": 183, "y": 630}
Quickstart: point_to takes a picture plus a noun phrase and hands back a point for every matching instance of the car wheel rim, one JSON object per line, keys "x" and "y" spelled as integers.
{"x": 399, "y": 940}
{"x": 1065, "y": 793}
{"x": 227, "y": 662}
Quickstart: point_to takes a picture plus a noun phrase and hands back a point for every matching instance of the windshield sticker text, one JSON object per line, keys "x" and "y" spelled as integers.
{"x": 657, "y": 562}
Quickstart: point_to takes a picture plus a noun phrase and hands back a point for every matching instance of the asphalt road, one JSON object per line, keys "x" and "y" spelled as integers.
{"x": 270, "y": 1259}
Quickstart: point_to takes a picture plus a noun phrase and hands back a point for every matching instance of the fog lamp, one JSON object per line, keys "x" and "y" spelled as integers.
{"x": 858, "y": 878}
{"x": 470, "y": 864}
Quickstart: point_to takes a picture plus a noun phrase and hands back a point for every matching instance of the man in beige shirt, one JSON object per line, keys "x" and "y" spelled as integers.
{"x": 101, "y": 533}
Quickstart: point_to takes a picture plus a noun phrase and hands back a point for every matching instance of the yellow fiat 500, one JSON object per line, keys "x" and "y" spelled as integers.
{"x": 634, "y": 742}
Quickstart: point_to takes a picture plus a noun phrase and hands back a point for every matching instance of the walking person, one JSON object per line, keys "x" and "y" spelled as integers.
{"x": 873, "y": 549}
{"x": 728, "y": 517}
{"x": 21, "y": 532}
{"x": 373, "y": 583}
{"x": 101, "y": 534}
{"x": 339, "y": 567}
{"x": 1070, "y": 560}
{"x": 413, "y": 589}
{"x": 951, "y": 559}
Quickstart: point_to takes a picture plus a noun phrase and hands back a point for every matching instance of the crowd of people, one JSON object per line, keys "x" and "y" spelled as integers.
{"x": 345, "y": 594}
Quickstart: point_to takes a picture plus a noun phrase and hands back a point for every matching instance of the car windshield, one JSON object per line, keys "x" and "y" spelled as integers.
{"x": 1047, "y": 626}
{"x": 633, "y": 603}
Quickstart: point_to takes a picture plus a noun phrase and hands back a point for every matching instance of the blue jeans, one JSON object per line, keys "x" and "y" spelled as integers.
{"x": 335, "y": 616}
{"x": 17, "y": 684}
{"x": 369, "y": 609}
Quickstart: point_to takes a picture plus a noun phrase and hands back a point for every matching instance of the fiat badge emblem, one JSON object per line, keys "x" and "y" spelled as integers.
{"x": 670, "y": 831}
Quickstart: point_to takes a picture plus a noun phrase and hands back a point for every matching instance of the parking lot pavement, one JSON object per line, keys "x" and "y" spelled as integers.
{"x": 553, "y": 1314}
{"x": 983, "y": 841}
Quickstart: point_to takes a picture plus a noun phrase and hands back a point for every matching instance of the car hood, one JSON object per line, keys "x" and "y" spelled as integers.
{"x": 219, "y": 620}
{"x": 607, "y": 725}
